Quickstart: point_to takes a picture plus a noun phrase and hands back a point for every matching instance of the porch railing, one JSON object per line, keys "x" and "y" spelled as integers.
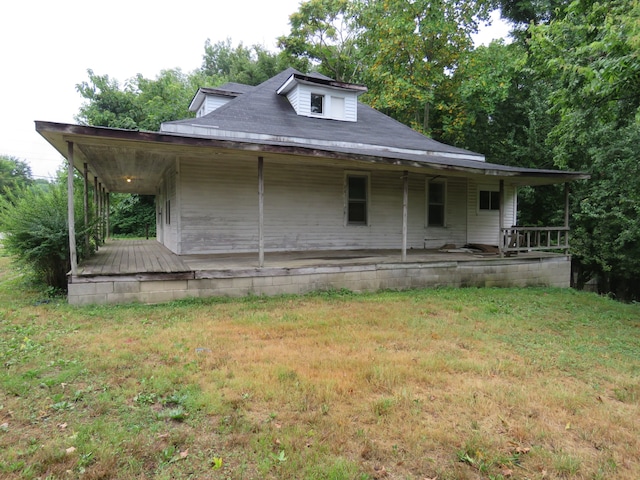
{"x": 528, "y": 239}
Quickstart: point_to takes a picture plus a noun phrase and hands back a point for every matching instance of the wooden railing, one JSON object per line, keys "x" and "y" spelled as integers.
{"x": 528, "y": 239}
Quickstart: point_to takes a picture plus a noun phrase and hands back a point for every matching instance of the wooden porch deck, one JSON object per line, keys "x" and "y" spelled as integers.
{"x": 145, "y": 271}
{"x": 129, "y": 257}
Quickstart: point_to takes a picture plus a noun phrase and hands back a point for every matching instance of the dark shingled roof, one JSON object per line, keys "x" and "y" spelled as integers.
{"x": 260, "y": 110}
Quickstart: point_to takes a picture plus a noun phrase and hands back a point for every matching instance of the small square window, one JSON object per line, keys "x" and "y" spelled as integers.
{"x": 489, "y": 200}
{"x": 317, "y": 104}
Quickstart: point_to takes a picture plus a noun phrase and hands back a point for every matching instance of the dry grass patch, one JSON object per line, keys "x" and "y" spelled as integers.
{"x": 447, "y": 384}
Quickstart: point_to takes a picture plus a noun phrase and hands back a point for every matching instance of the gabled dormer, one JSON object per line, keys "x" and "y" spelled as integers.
{"x": 320, "y": 97}
{"x": 206, "y": 100}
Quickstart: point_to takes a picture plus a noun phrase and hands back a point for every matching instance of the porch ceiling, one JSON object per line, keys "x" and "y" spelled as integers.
{"x": 129, "y": 161}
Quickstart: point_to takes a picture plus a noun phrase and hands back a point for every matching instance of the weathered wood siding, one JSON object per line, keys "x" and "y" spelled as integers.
{"x": 304, "y": 208}
{"x": 455, "y": 230}
{"x": 483, "y": 225}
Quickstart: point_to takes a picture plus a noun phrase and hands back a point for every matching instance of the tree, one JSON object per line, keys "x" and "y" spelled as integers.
{"x": 14, "y": 173}
{"x": 222, "y": 63}
{"x": 411, "y": 50}
{"x": 35, "y": 227}
{"x": 133, "y": 215}
{"x": 141, "y": 104}
{"x": 324, "y": 33}
{"x": 590, "y": 54}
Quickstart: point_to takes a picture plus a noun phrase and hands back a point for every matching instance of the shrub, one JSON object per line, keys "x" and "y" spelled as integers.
{"x": 33, "y": 221}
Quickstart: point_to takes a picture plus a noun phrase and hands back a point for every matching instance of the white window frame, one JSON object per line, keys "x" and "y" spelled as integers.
{"x": 367, "y": 176}
{"x": 324, "y": 104}
{"x": 487, "y": 188}
{"x": 443, "y": 182}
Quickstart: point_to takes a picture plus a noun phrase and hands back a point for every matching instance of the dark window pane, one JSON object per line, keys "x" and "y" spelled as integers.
{"x": 436, "y": 215}
{"x": 436, "y": 193}
{"x": 495, "y": 200}
{"x": 485, "y": 199}
{"x": 357, "y": 188}
{"x": 316, "y": 103}
{"x": 357, "y": 212}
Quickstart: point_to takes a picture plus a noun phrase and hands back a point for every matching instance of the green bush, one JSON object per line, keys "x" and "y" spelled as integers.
{"x": 33, "y": 222}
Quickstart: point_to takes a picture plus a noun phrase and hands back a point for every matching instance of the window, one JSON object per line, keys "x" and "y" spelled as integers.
{"x": 337, "y": 107}
{"x": 489, "y": 200}
{"x": 317, "y": 104}
{"x": 436, "y": 203}
{"x": 357, "y": 199}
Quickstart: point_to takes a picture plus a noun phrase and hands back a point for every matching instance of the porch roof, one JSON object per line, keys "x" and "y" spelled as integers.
{"x": 132, "y": 161}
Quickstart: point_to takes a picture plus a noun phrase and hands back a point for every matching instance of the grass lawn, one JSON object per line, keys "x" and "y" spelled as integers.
{"x": 446, "y": 384}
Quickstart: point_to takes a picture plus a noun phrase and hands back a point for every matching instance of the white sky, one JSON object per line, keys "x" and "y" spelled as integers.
{"x": 47, "y": 46}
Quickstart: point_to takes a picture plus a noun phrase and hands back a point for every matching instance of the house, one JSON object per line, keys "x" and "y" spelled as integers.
{"x": 294, "y": 185}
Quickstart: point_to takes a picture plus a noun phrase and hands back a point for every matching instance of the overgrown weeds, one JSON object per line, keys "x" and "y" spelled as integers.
{"x": 447, "y": 384}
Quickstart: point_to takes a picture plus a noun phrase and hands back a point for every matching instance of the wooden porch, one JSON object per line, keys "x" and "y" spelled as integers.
{"x": 146, "y": 271}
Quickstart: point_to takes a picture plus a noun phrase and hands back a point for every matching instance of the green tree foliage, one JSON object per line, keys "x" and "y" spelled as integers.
{"x": 141, "y": 104}
{"x": 411, "y": 50}
{"x": 222, "y": 62}
{"x": 133, "y": 215}
{"x": 14, "y": 173}
{"x": 590, "y": 55}
{"x": 35, "y": 228}
{"x": 324, "y": 33}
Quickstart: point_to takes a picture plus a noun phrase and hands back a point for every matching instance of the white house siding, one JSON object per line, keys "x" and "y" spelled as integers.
{"x": 212, "y": 102}
{"x": 303, "y": 208}
{"x": 455, "y": 230}
{"x": 303, "y": 101}
{"x": 483, "y": 226}
{"x": 171, "y": 229}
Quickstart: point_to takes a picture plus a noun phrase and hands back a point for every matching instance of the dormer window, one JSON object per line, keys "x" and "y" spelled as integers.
{"x": 317, "y": 104}
{"x": 318, "y": 96}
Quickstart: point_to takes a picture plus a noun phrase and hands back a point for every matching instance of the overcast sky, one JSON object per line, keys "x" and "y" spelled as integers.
{"x": 47, "y": 46}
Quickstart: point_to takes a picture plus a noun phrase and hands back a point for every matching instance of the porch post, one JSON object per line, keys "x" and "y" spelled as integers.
{"x": 73, "y": 255}
{"x": 96, "y": 228}
{"x": 566, "y": 205}
{"x": 501, "y": 220}
{"x": 85, "y": 201}
{"x": 260, "y": 212}
{"x": 405, "y": 206}
{"x": 103, "y": 219}
{"x": 108, "y": 207}
{"x": 566, "y": 218}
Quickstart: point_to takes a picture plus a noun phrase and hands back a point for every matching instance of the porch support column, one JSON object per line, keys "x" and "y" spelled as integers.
{"x": 73, "y": 255}
{"x": 108, "y": 209}
{"x": 566, "y": 217}
{"x": 405, "y": 207}
{"x": 260, "y": 212}
{"x": 566, "y": 205}
{"x": 85, "y": 204}
{"x": 103, "y": 203}
{"x": 501, "y": 220}
{"x": 96, "y": 226}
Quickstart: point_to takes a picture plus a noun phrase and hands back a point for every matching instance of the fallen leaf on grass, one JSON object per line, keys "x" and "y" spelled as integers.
{"x": 62, "y": 426}
{"x": 184, "y": 454}
{"x": 522, "y": 450}
{"x": 70, "y": 450}
{"x": 507, "y": 472}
